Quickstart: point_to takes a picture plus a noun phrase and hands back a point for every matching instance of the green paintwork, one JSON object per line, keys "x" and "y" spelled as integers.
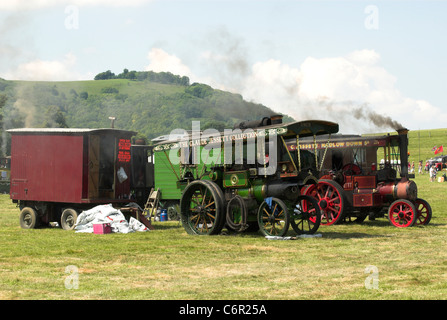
{"x": 235, "y": 179}
{"x": 165, "y": 178}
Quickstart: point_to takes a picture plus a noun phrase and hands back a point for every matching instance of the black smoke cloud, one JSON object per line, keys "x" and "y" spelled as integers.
{"x": 366, "y": 112}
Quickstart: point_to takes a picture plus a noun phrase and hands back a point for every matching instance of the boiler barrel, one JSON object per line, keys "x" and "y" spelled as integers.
{"x": 400, "y": 190}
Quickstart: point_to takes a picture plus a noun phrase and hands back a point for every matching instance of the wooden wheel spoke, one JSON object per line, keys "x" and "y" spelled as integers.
{"x": 273, "y": 220}
{"x": 209, "y": 204}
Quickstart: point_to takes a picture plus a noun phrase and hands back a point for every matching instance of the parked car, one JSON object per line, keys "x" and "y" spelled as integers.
{"x": 440, "y": 163}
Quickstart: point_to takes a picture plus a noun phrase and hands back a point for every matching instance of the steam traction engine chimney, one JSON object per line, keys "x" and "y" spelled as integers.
{"x": 403, "y": 146}
{"x": 276, "y": 119}
{"x": 401, "y": 188}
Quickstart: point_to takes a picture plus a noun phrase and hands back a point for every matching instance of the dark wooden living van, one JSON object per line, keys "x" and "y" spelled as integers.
{"x": 56, "y": 173}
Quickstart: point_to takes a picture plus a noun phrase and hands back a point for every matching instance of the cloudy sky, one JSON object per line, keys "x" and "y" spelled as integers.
{"x": 359, "y": 63}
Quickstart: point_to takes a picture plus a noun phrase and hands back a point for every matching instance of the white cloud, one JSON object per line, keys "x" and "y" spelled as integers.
{"x": 333, "y": 88}
{"x": 160, "y": 61}
{"x": 353, "y": 90}
{"x": 14, "y": 5}
{"x": 46, "y": 70}
{"x": 273, "y": 84}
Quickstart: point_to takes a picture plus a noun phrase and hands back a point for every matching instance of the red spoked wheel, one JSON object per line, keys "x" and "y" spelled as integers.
{"x": 424, "y": 212}
{"x": 330, "y": 198}
{"x": 402, "y": 213}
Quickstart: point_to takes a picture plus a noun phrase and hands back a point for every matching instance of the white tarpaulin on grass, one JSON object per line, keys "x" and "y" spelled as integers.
{"x": 107, "y": 214}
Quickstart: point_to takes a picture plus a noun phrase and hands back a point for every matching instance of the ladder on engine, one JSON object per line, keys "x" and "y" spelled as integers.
{"x": 151, "y": 206}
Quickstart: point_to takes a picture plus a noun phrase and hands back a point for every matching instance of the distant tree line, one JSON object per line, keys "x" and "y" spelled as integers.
{"x": 160, "y": 77}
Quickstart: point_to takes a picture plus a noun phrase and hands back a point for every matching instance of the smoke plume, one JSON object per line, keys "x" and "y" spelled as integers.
{"x": 364, "y": 112}
{"x": 351, "y": 116}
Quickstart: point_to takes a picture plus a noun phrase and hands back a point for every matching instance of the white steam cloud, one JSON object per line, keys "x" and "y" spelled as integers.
{"x": 353, "y": 90}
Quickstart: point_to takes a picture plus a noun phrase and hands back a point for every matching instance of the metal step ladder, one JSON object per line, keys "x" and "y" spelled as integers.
{"x": 151, "y": 206}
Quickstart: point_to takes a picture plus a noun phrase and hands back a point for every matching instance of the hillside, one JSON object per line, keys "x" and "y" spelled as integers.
{"x": 421, "y": 143}
{"x": 145, "y": 106}
{"x": 148, "y": 107}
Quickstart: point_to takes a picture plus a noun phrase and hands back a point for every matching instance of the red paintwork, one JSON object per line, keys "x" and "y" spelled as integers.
{"x": 47, "y": 168}
{"x": 51, "y": 166}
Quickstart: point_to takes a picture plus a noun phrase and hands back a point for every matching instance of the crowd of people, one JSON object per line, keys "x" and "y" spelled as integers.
{"x": 432, "y": 169}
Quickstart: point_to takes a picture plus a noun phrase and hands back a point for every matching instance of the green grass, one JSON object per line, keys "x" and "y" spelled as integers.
{"x": 124, "y": 86}
{"x": 169, "y": 264}
{"x": 166, "y": 263}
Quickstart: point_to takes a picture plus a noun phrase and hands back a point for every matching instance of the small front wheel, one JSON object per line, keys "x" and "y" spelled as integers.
{"x": 306, "y": 216}
{"x": 273, "y": 217}
{"x": 402, "y": 213}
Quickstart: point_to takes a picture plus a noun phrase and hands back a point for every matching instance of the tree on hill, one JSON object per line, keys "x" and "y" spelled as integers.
{"x": 199, "y": 90}
{"x": 160, "y": 77}
{"x": 105, "y": 75}
{"x": 54, "y": 118}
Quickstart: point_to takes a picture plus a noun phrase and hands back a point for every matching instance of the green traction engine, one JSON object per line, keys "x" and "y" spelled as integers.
{"x": 246, "y": 178}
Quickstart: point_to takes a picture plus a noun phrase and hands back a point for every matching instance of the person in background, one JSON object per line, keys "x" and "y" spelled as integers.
{"x": 432, "y": 173}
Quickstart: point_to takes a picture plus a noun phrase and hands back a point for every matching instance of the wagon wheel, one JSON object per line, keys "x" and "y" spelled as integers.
{"x": 306, "y": 216}
{"x": 424, "y": 212}
{"x": 202, "y": 208}
{"x": 68, "y": 219}
{"x": 402, "y": 213}
{"x": 28, "y": 218}
{"x": 273, "y": 217}
{"x": 330, "y": 198}
{"x": 173, "y": 210}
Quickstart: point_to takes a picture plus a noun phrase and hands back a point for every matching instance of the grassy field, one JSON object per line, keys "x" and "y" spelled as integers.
{"x": 166, "y": 263}
{"x": 95, "y": 86}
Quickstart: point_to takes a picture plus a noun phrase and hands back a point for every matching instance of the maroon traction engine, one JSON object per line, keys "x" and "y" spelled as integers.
{"x": 57, "y": 173}
{"x": 352, "y": 186}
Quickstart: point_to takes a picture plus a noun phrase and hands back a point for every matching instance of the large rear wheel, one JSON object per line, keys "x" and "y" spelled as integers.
{"x": 424, "y": 212}
{"x": 202, "y": 208}
{"x": 331, "y": 200}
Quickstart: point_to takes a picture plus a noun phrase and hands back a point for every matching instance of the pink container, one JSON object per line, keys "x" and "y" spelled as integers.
{"x": 102, "y": 228}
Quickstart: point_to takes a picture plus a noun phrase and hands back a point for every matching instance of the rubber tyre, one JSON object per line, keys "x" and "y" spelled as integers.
{"x": 69, "y": 218}
{"x": 28, "y": 218}
{"x": 236, "y": 205}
